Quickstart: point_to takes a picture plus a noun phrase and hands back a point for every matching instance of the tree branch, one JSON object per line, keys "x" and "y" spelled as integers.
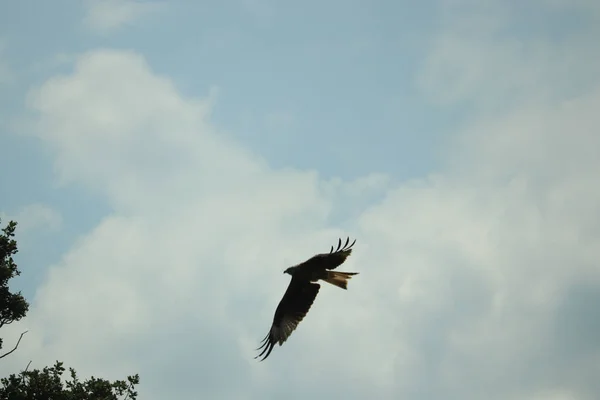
{"x": 23, "y": 375}
{"x": 16, "y": 345}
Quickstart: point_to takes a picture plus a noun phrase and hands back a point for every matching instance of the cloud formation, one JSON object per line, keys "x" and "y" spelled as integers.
{"x": 104, "y": 16}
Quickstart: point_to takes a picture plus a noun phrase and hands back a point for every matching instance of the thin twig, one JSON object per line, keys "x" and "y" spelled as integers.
{"x": 23, "y": 373}
{"x": 16, "y": 345}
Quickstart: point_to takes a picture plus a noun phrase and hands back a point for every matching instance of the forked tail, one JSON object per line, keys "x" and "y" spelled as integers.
{"x": 339, "y": 279}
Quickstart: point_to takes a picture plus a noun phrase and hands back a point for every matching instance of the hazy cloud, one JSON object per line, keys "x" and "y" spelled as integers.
{"x": 104, "y": 16}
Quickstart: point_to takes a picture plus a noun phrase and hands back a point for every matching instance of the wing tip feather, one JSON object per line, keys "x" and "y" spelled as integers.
{"x": 345, "y": 247}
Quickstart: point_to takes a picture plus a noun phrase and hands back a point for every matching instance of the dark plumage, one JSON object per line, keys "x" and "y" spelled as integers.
{"x": 302, "y": 291}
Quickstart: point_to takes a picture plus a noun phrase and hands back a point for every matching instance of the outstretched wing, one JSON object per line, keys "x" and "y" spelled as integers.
{"x": 292, "y": 308}
{"x": 330, "y": 260}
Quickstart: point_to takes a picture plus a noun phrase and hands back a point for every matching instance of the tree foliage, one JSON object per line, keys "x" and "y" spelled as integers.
{"x": 13, "y": 306}
{"x": 49, "y": 382}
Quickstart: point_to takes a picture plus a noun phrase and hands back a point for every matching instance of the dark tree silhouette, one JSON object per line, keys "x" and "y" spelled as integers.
{"x": 13, "y": 306}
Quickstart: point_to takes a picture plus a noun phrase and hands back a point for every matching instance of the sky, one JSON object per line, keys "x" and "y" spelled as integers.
{"x": 166, "y": 161}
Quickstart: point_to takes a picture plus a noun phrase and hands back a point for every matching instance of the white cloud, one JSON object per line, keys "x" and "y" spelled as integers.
{"x": 104, "y": 16}
{"x": 34, "y": 217}
{"x": 477, "y": 282}
{"x": 479, "y": 58}
{"x": 194, "y": 214}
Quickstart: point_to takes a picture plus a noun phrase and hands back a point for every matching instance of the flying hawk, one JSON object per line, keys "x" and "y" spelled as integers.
{"x": 302, "y": 291}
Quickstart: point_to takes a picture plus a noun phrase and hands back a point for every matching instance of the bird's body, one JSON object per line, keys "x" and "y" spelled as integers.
{"x": 303, "y": 290}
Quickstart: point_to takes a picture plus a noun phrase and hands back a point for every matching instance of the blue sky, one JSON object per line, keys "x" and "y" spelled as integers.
{"x": 169, "y": 160}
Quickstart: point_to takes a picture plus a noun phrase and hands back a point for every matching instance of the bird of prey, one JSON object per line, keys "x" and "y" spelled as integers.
{"x": 303, "y": 290}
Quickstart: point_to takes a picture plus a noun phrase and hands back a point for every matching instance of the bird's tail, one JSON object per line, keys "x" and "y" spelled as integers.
{"x": 339, "y": 279}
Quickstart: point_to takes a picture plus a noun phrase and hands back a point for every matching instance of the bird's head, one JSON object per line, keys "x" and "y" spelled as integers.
{"x": 290, "y": 270}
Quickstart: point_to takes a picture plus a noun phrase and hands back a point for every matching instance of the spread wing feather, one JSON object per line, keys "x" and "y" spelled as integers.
{"x": 292, "y": 308}
{"x": 333, "y": 259}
